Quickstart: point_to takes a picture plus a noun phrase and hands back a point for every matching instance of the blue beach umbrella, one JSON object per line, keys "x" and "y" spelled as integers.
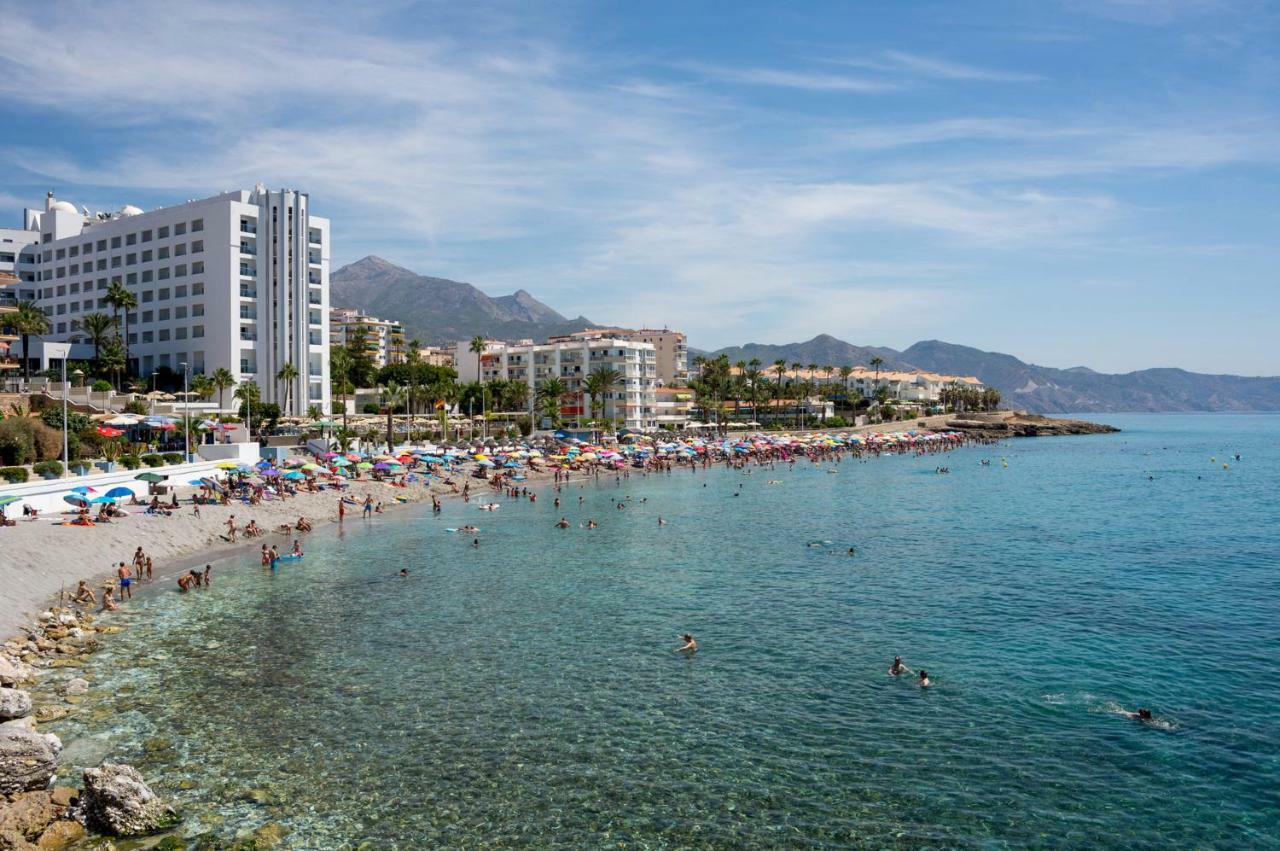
{"x": 101, "y": 499}
{"x": 75, "y": 499}
{"x": 120, "y": 493}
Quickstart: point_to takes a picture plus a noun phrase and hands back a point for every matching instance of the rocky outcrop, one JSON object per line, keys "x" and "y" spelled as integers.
{"x": 1023, "y": 425}
{"x": 14, "y": 703}
{"x": 116, "y": 800}
{"x": 38, "y": 820}
{"x": 26, "y": 760}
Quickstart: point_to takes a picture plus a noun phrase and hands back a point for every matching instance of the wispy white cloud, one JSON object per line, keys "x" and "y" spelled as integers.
{"x": 792, "y": 79}
{"x": 917, "y": 65}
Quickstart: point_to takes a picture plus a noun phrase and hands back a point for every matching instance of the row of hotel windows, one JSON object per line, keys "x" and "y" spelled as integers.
{"x": 179, "y": 229}
{"x": 74, "y": 269}
{"x": 162, "y": 294}
{"x": 161, "y": 336}
{"x": 179, "y": 271}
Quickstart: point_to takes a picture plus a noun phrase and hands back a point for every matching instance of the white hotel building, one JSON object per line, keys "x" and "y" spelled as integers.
{"x": 238, "y": 281}
{"x": 633, "y": 402}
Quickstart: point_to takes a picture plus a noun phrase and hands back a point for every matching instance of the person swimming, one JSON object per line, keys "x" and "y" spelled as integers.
{"x": 562, "y": 523}
{"x": 1141, "y": 714}
{"x": 690, "y": 644}
{"x": 924, "y": 679}
{"x": 404, "y": 572}
{"x": 898, "y": 667}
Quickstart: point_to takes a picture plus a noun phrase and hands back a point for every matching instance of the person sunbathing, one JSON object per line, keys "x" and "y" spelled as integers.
{"x": 303, "y": 525}
{"x": 84, "y": 594}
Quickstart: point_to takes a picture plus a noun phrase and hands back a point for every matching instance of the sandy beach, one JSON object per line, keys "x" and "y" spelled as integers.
{"x": 40, "y": 557}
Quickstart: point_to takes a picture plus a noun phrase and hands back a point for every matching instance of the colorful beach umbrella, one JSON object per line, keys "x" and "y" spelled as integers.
{"x": 120, "y": 493}
{"x": 75, "y": 499}
{"x": 8, "y": 500}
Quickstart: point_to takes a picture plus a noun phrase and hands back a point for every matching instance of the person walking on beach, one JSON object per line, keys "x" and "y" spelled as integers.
{"x": 231, "y": 528}
{"x": 342, "y": 509}
{"x": 126, "y": 580}
{"x": 368, "y": 506}
{"x": 149, "y": 568}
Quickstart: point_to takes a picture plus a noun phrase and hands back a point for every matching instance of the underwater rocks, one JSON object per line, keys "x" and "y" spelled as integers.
{"x": 116, "y": 800}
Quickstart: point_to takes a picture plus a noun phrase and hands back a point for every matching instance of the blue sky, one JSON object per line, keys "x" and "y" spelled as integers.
{"x": 1085, "y": 182}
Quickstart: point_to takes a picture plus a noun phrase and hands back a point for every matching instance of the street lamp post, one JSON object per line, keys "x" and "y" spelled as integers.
{"x": 186, "y": 413}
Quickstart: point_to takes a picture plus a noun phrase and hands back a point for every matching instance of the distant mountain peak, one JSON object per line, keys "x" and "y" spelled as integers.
{"x": 439, "y": 310}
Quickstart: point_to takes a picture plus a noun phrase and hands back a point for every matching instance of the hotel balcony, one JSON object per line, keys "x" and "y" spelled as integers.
{"x": 313, "y": 298}
{"x": 248, "y": 227}
{"x": 313, "y": 278}
{"x": 248, "y": 270}
{"x": 247, "y": 249}
{"x": 248, "y": 292}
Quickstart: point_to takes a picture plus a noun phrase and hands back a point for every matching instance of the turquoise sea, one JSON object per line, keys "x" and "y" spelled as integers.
{"x": 525, "y": 693}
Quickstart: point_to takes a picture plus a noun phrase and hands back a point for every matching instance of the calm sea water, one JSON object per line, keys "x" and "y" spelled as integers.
{"x": 525, "y": 693}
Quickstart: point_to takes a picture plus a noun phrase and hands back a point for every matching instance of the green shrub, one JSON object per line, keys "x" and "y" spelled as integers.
{"x": 153, "y": 460}
{"x": 101, "y": 386}
{"x": 135, "y": 406}
{"x": 130, "y": 462}
{"x": 76, "y": 421}
{"x": 370, "y": 408}
{"x": 835, "y": 422}
{"x": 17, "y": 441}
{"x": 173, "y": 458}
{"x": 15, "y": 475}
{"x": 41, "y": 468}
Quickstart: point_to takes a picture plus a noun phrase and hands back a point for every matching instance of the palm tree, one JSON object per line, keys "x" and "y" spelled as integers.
{"x": 203, "y": 386}
{"x": 413, "y": 359}
{"x": 287, "y": 374}
{"x": 478, "y": 345}
{"x": 113, "y": 357}
{"x": 27, "y": 321}
{"x": 599, "y": 382}
{"x": 97, "y": 327}
{"x": 549, "y": 394}
{"x": 120, "y": 300}
{"x": 876, "y": 362}
{"x": 393, "y": 396}
{"x": 222, "y": 379}
{"x": 845, "y": 372}
{"x": 339, "y": 368}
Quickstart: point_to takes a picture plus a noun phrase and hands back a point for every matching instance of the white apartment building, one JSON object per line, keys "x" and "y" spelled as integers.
{"x": 238, "y": 281}
{"x": 384, "y": 339}
{"x": 632, "y": 404}
{"x": 670, "y": 347}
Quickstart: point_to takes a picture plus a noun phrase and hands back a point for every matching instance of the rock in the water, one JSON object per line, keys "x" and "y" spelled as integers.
{"x": 51, "y": 712}
{"x": 61, "y": 834}
{"x": 13, "y": 672}
{"x": 76, "y": 685}
{"x": 28, "y": 723}
{"x": 118, "y": 801}
{"x": 26, "y": 760}
{"x": 14, "y": 703}
{"x": 55, "y": 744}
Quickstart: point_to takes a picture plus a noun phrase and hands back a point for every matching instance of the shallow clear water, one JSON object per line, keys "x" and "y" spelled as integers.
{"x": 525, "y": 693}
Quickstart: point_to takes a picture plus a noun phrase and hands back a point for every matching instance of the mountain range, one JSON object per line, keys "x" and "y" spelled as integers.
{"x": 1041, "y": 389}
{"x": 438, "y": 310}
